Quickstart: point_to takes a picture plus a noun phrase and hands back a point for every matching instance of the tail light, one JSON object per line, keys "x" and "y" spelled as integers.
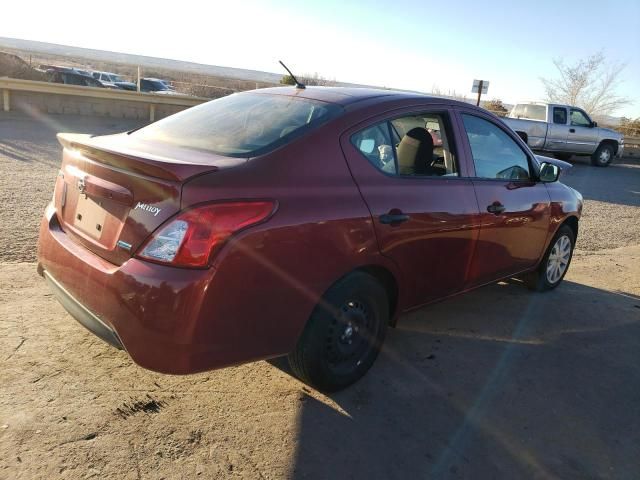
{"x": 191, "y": 238}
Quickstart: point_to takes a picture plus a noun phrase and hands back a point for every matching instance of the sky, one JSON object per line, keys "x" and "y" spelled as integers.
{"x": 417, "y": 45}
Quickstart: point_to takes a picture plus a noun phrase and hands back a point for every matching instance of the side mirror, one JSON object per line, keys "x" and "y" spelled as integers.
{"x": 549, "y": 172}
{"x": 594, "y": 124}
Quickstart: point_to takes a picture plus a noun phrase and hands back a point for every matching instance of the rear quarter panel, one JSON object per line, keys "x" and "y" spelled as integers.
{"x": 269, "y": 278}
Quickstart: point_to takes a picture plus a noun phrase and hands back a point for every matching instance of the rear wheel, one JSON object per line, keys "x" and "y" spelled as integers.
{"x": 555, "y": 263}
{"x": 603, "y": 156}
{"x": 344, "y": 334}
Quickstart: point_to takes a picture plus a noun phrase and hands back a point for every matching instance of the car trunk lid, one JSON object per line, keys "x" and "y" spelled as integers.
{"x": 113, "y": 191}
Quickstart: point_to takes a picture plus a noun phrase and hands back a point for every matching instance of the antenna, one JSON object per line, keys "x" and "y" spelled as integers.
{"x": 298, "y": 84}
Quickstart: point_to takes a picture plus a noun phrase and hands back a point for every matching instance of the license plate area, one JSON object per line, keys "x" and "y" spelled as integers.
{"x": 90, "y": 217}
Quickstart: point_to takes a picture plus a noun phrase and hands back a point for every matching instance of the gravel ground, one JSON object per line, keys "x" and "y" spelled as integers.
{"x": 536, "y": 386}
{"x": 30, "y": 156}
{"x": 611, "y": 203}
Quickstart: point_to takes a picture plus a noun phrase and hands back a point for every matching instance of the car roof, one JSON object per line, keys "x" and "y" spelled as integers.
{"x": 348, "y": 95}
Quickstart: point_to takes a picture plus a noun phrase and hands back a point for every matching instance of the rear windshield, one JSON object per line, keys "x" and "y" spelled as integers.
{"x": 241, "y": 125}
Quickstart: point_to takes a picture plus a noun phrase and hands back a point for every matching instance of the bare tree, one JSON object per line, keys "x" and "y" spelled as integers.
{"x": 590, "y": 83}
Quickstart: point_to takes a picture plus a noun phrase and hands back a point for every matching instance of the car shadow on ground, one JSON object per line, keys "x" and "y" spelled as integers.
{"x": 498, "y": 383}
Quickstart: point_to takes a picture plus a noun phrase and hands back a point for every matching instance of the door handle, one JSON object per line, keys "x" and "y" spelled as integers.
{"x": 496, "y": 208}
{"x": 393, "y": 218}
{"x": 572, "y": 130}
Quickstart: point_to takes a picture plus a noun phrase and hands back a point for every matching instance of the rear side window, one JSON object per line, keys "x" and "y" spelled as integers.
{"x": 560, "y": 115}
{"x": 412, "y": 145}
{"x": 241, "y": 125}
{"x": 495, "y": 154}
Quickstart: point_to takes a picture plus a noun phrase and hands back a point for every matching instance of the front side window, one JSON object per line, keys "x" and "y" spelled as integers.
{"x": 412, "y": 145}
{"x": 495, "y": 154}
{"x": 579, "y": 119}
{"x": 241, "y": 125}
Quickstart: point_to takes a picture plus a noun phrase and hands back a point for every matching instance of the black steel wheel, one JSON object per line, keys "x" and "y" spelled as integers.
{"x": 344, "y": 334}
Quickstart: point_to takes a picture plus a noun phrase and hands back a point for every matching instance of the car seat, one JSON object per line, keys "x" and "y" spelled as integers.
{"x": 415, "y": 153}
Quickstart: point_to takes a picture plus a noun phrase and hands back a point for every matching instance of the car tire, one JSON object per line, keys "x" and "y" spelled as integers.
{"x": 603, "y": 155}
{"x": 344, "y": 334}
{"x": 555, "y": 263}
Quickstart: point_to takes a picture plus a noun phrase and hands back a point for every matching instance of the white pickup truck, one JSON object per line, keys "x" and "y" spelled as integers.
{"x": 564, "y": 131}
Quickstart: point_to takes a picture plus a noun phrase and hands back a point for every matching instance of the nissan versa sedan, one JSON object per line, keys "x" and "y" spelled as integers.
{"x": 296, "y": 221}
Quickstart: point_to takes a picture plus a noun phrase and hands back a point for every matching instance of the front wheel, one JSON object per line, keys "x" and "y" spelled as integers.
{"x": 555, "y": 263}
{"x": 344, "y": 334}
{"x": 603, "y": 156}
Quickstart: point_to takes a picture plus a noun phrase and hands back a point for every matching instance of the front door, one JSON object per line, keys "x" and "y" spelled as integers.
{"x": 424, "y": 210}
{"x": 514, "y": 207}
{"x": 581, "y": 138}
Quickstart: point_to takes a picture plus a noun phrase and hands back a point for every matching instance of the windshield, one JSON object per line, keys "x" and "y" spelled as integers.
{"x": 241, "y": 125}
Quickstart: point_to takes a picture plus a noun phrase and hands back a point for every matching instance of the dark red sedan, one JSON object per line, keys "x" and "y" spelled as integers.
{"x": 296, "y": 221}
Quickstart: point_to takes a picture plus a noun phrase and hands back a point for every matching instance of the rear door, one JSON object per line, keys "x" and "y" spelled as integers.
{"x": 514, "y": 207}
{"x": 423, "y": 208}
{"x": 558, "y": 129}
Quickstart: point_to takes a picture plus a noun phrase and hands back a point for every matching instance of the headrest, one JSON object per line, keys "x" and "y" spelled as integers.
{"x": 415, "y": 151}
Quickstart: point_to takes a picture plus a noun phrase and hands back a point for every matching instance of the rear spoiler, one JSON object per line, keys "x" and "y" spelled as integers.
{"x": 148, "y": 158}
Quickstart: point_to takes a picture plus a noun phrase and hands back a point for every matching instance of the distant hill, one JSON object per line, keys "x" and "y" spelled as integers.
{"x": 142, "y": 60}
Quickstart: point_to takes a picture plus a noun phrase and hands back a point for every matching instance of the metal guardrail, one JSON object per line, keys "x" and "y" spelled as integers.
{"x": 632, "y": 141}
{"x": 7, "y": 85}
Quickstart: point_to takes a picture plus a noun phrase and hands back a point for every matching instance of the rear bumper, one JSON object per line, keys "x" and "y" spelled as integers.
{"x": 78, "y": 311}
{"x": 169, "y": 320}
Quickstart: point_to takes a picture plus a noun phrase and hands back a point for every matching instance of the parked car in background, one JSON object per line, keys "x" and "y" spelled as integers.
{"x": 130, "y": 86}
{"x": 168, "y": 84}
{"x": 296, "y": 221}
{"x": 564, "y": 131}
{"x": 71, "y": 77}
{"x": 114, "y": 80}
{"x": 155, "y": 85}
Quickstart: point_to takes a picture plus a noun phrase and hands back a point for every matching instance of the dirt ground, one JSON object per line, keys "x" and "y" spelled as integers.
{"x": 498, "y": 383}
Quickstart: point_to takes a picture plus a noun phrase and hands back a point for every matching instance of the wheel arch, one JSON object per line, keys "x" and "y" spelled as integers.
{"x": 609, "y": 141}
{"x": 572, "y": 222}
{"x": 388, "y": 280}
{"x": 523, "y": 136}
